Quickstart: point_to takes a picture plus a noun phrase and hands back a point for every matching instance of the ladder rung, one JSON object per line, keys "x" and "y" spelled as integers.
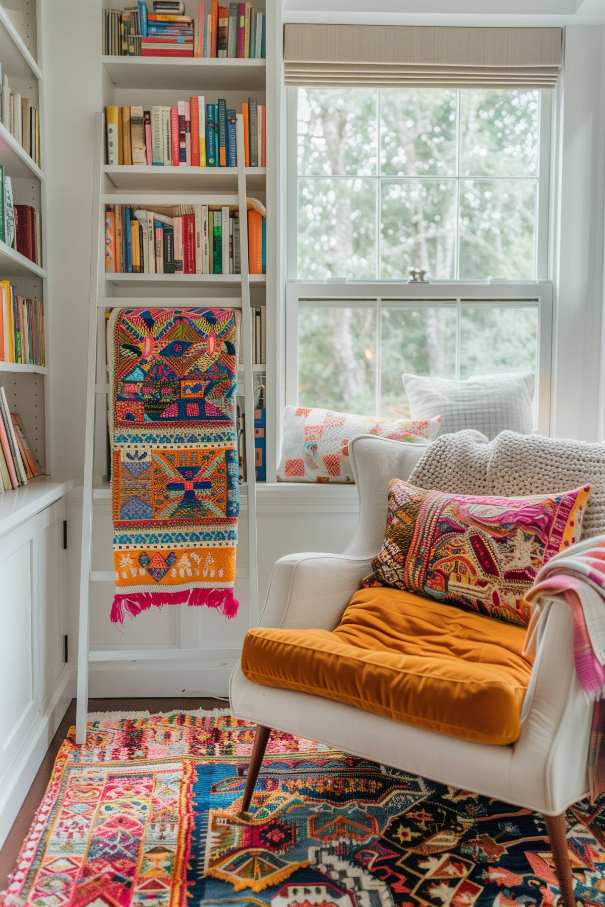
{"x": 218, "y": 656}
{"x": 109, "y": 302}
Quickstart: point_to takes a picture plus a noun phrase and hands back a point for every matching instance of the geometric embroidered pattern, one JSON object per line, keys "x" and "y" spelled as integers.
{"x": 316, "y": 442}
{"x": 145, "y": 814}
{"x": 175, "y": 488}
{"x": 475, "y": 551}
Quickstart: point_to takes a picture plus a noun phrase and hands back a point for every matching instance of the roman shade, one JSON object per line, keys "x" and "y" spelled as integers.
{"x": 384, "y": 55}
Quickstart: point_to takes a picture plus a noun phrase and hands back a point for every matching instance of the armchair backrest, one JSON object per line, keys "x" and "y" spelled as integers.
{"x": 375, "y": 461}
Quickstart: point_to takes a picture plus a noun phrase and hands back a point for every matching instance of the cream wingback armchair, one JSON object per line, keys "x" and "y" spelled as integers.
{"x": 544, "y": 770}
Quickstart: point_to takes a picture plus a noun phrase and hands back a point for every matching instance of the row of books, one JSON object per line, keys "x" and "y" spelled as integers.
{"x": 18, "y": 463}
{"x": 191, "y": 133}
{"x": 19, "y": 224}
{"x": 260, "y": 436}
{"x": 21, "y": 327}
{"x": 21, "y": 118}
{"x": 182, "y": 239}
{"x": 218, "y": 30}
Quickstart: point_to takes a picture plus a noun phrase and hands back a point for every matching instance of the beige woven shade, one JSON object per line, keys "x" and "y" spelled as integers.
{"x": 329, "y": 55}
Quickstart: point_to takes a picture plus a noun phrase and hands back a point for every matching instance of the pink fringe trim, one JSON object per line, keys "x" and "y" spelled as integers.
{"x": 134, "y": 603}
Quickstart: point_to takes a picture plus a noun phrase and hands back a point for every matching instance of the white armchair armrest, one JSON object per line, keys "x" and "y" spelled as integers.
{"x": 311, "y": 590}
{"x": 551, "y": 753}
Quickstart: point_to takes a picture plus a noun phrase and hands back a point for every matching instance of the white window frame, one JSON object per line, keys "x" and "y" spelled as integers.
{"x": 443, "y": 292}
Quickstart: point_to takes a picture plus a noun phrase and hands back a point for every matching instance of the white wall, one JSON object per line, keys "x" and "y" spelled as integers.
{"x": 579, "y": 237}
{"x": 303, "y": 519}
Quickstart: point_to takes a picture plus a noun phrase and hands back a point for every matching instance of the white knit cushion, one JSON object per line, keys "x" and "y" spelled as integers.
{"x": 315, "y": 445}
{"x": 487, "y": 403}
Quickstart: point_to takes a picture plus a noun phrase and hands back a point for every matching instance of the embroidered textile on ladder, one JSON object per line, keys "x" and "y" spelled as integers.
{"x": 175, "y": 484}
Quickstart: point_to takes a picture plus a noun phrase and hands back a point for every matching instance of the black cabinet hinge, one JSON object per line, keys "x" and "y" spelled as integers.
{"x": 66, "y": 649}
{"x": 65, "y": 535}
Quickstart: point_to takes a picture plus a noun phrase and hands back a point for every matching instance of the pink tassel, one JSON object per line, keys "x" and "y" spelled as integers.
{"x": 134, "y": 603}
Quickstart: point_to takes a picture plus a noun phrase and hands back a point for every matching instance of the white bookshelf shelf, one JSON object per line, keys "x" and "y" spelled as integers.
{"x": 15, "y": 158}
{"x": 14, "y": 52}
{"x": 24, "y": 369}
{"x": 189, "y": 73}
{"x": 143, "y": 177}
{"x": 175, "y": 280}
{"x": 14, "y": 264}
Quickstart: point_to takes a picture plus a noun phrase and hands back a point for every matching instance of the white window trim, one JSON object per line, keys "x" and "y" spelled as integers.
{"x": 444, "y": 293}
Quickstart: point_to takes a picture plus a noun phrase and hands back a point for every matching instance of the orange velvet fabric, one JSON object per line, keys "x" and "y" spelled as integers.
{"x": 408, "y": 658}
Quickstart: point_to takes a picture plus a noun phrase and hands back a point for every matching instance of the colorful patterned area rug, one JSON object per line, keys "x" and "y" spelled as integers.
{"x": 146, "y": 814}
{"x": 175, "y": 486}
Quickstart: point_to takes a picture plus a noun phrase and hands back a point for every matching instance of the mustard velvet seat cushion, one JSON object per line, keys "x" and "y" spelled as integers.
{"x": 408, "y": 658}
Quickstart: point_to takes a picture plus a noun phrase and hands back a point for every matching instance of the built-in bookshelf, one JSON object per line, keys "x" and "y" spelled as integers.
{"x": 24, "y": 301}
{"x": 152, "y": 87}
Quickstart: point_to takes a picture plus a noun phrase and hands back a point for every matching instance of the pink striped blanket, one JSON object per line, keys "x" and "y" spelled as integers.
{"x": 578, "y": 578}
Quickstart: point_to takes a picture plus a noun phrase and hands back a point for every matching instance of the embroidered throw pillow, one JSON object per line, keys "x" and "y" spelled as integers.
{"x": 488, "y": 403}
{"x": 315, "y": 445}
{"x": 481, "y": 553}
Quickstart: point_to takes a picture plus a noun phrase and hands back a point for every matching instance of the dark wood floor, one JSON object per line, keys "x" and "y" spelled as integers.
{"x": 12, "y": 845}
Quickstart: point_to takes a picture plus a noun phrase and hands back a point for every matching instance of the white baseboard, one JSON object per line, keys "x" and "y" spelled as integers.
{"x": 20, "y": 775}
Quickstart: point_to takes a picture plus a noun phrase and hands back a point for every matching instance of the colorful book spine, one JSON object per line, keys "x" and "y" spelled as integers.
{"x": 211, "y": 136}
{"x": 142, "y": 11}
{"x": 231, "y": 138}
{"x": 112, "y": 114}
{"x": 195, "y": 131}
{"x": 260, "y": 437}
{"x": 222, "y": 132}
{"x": 127, "y": 241}
{"x": 217, "y": 244}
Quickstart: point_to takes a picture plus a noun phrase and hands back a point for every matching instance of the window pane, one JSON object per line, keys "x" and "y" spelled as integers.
{"x": 337, "y": 356}
{"x": 418, "y": 132}
{"x": 337, "y": 229}
{"x": 337, "y": 132}
{"x": 498, "y": 338}
{"x": 417, "y": 340}
{"x": 499, "y": 132}
{"x": 498, "y": 229}
{"x": 418, "y": 228}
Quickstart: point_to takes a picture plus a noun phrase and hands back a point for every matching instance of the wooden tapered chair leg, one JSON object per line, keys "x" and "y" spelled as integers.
{"x": 556, "y": 826}
{"x": 258, "y": 751}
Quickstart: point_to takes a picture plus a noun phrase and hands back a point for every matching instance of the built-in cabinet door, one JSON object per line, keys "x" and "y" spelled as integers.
{"x": 17, "y": 703}
{"x": 32, "y": 621}
{"x": 50, "y": 610}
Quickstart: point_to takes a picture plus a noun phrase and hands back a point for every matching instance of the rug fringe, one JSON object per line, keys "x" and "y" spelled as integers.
{"x": 126, "y": 715}
{"x": 216, "y": 712}
{"x": 134, "y": 603}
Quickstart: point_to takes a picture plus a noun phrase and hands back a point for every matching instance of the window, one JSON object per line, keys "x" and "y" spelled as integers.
{"x": 441, "y": 179}
{"x": 452, "y": 181}
{"x": 348, "y": 352}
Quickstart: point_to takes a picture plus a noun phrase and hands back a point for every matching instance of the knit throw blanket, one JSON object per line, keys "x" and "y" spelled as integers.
{"x": 512, "y": 465}
{"x": 175, "y": 488}
{"x": 577, "y": 579}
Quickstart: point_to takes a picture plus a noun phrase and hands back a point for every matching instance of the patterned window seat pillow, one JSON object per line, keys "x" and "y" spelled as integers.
{"x": 480, "y": 553}
{"x": 488, "y": 403}
{"x": 315, "y": 445}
